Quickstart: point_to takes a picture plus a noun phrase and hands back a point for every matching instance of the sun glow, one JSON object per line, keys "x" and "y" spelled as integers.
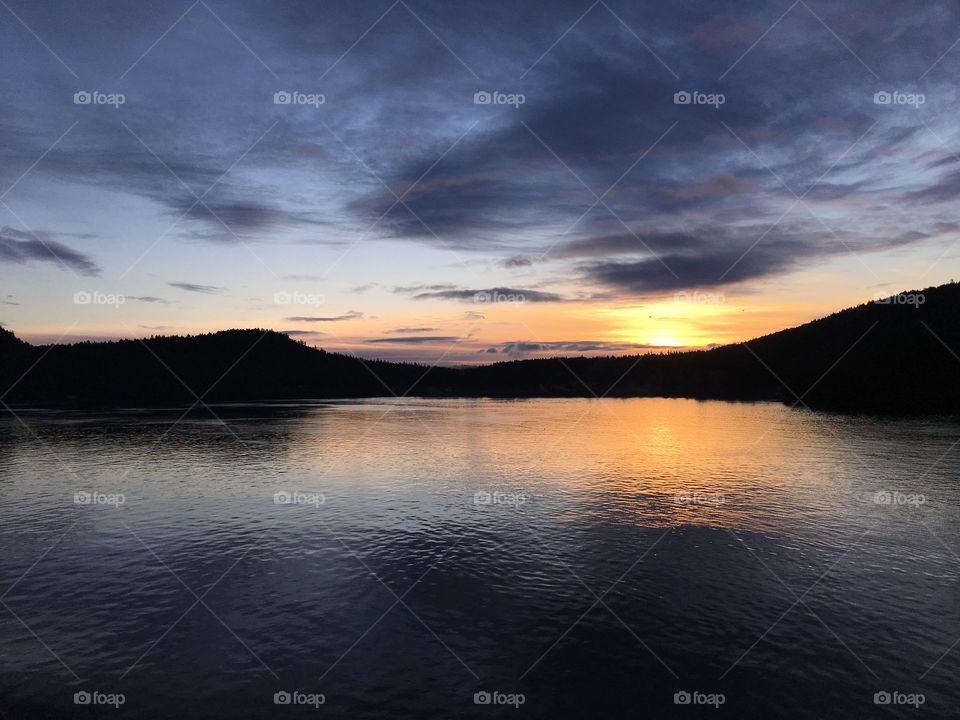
{"x": 666, "y": 341}
{"x": 677, "y": 324}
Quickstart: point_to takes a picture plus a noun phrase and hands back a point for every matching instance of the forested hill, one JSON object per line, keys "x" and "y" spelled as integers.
{"x": 900, "y": 357}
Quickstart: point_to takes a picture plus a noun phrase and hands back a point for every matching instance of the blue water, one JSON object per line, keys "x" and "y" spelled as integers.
{"x": 572, "y": 558}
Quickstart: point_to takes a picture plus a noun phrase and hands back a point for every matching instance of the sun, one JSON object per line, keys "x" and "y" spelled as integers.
{"x": 665, "y": 341}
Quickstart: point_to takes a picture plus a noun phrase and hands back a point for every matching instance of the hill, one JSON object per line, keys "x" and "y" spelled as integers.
{"x": 895, "y": 357}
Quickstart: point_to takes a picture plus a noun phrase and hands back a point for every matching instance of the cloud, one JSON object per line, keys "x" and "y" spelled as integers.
{"x": 191, "y": 287}
{"x": 351, "y": 315}
{"x": 519, "y": 348}
{"x": 491, "y": 295}
{"x": 148, "y": 299}
{"x": 412, "y": 330}
{"x": 228, "y": 218}
{"x": 662, "y": 261}
{"x": 410, "y": 289}
{"x": 945, "y": 189}
{"x": 640, "y": 243}
{"x": 718, "y": 186}
{"x": 415, "y": 340}
{"x": 21, "y": 248}
{"x": 707, "y": 269}
{"x": 516, "y": 261}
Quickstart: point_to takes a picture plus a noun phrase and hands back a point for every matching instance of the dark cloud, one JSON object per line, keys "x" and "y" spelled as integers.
{"x": 21, "y": 248}
{"x": 718, "y": 266}
{"x": 203, "y": 289}
{"x": 409, "y": 330}
{"x": 490, "y": 295}
{"x": 351, "y": 315}
{"x": 656, "y": 262}
{"x": 945, "y": 190}
{"x": 148, "y": 299}
{"x": 519, "y": 348}
{"x": 516, "y": 261}
{"x": 410, "y": 289}
{"x": 632, "y": 243}
{"x": 415, "y": 340}
{"x": 229, "y": 217}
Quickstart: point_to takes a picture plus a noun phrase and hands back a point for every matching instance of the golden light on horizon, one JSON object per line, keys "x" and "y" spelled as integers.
{"x": 666, "y": 341}
{"x": 677, "y": 323}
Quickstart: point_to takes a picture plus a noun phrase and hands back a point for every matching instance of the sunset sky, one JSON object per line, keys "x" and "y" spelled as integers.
{"x": 586, "y": 208}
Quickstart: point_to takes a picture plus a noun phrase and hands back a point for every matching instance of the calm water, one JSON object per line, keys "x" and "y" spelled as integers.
{"x": 595, "y": 557}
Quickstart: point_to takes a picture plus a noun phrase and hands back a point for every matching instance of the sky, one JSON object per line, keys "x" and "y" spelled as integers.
{"x": 471, "y": 182}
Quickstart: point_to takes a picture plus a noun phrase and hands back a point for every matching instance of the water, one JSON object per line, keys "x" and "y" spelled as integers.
{"x": 595, "y": 557}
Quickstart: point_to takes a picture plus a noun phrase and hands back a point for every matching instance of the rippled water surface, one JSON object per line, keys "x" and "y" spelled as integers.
{"x": 590, "y": 558}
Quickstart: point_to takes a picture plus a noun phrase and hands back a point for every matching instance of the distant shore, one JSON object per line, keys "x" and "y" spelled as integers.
{"x": 884, "y": 358}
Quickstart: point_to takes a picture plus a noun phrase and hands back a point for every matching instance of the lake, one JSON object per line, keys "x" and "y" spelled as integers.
{"x": 445, "y": 558}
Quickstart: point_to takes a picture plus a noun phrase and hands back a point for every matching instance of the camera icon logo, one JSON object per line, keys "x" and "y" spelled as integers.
{"x": 282, "y": 98}
{"x": 283, "y": 498}
{"x": 82, "y": 98}
{"x": 883, "y": 497}
{"x": 482, "y": 97}
{"x": 882, "y": 698}
{"x": 82, "y": 498}
{"x": 82, "y": 298}
{"x": 82, "y": 698}
{"x": 482, "y": 698}
{"x": 682, "y": 698}
{"x": 682, "y": 98}
{"x": 482, "y": 497}
{"x": 882, "y": 98}
{"x": 282, "y": 698}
